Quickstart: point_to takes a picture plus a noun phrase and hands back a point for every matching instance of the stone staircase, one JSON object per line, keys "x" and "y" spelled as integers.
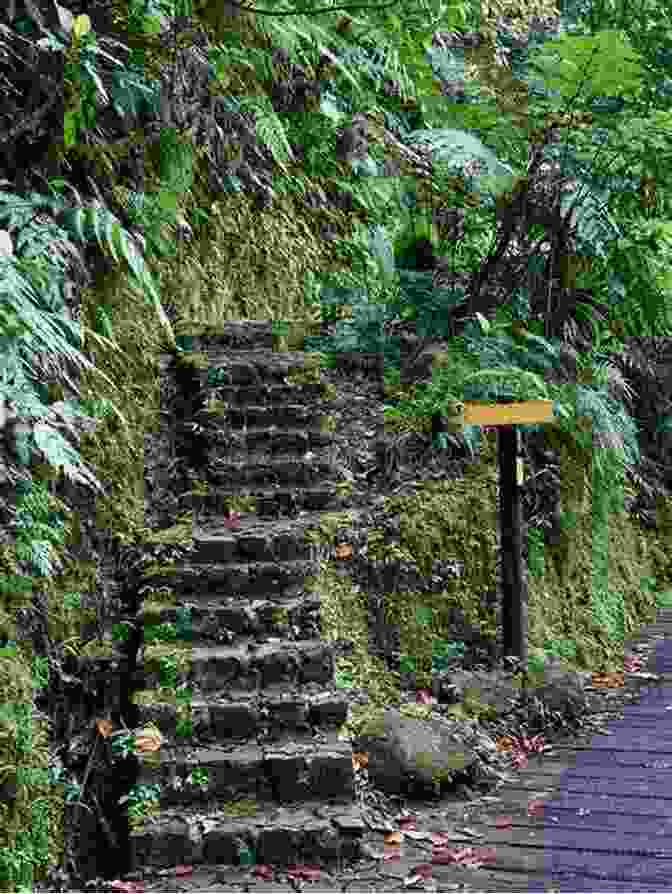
{"x": 265, "y": 710}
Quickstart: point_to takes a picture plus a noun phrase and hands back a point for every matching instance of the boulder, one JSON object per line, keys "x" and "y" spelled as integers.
{"x": 558, "y": 689}
{"x": 418, "y": 758}
{"x": 494, "y": 689}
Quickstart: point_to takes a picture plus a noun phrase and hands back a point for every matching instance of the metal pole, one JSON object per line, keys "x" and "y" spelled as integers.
{"x": 514, "y": 597}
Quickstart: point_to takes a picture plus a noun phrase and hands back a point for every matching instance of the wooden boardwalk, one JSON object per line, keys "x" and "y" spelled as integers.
{"x": 594, "y": 814}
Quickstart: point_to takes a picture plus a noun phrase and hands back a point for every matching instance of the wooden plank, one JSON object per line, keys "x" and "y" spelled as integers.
{"x": 511, "y": 476}
{"x": 525, "y": 412}
{"x": 514, "y": 588}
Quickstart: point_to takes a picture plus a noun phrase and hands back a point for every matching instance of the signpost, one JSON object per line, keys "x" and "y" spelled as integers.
{"x": 506, "y": 416}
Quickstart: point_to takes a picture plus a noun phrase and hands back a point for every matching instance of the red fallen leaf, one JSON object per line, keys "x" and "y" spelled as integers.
{"x": 184, "y": 870}
{"x": 305, "y": 872}
{"x": 632, "y": 664}
{"x": 533, "y": 745}
{"x": 440, "y": 839}
{"x": 129, "y": 887}
{"x": 535, "y": 808}
{"x": 391, "y": 854}
{"x": 473, "y": 857}
{"x": 407, "y": 823}
{"x": 424, "y": 697}
{"x": 503, "y": 822}
{"x": 232, "y": 521}
{"x": 519, "y": 748}
{"x": 263, "y": 871}
{"x": 422, "y": 871}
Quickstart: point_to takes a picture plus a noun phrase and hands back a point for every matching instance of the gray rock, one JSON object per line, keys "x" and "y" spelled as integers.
{"x": 560, "y": 690}
{"x": 416, "y": 758}
{"x": 496, "y": 689}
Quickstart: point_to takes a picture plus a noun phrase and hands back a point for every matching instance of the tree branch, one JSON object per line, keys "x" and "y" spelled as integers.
{"x": 300, "y": 12}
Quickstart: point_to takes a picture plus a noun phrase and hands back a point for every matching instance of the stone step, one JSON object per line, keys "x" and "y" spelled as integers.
{"x": 271, "y": 502}
{"x": 260, "y": 364}
{"x": 202, "y": 619}
{"x": 274, "y": 441}
{"x": 253, "y": 544}
{"x": 234, "y": 717}
{"x": 249, "y": 832}
{"x": 245, "y": 579}
{"x": 236, "y": 335}
{"x": 241, "y": 413}
{"x": 250, "y": 665}
{"x": 270, "y": 466}
{"x": 287, "y": 771}
{"x": 290, "y": 471}
{"x": 261, "y": 723}
{"x": 272, "y": 395}
{"x": 253, "y": 539}
{"x": 230, "y": 335}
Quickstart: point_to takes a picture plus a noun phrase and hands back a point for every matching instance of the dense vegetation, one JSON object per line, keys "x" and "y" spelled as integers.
{"x": 511, "y": 195}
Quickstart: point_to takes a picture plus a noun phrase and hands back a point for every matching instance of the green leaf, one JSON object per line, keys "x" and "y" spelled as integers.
{"x": 605, "y": 59}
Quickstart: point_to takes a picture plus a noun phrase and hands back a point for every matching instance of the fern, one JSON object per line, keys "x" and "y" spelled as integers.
{"x": 38, "y": 530}
{"x": 59, "y": 453}
{"x": 504, "y": 382}
{"x": 535, "y": 353}
{"x": 612, "y": 427}
{"x": 38, "y": 553}
{"x": 458, "y": 147}
{"x": 269, "y": 129}
{"x": 26, "y": 297}
{"x": 603, "y": 62}
{"x": 132, "y": 94}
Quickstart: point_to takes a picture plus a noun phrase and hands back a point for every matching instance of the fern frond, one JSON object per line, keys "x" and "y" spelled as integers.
{"x": 269, "y": 128}
{"x": 521, "y": 383}
{"x": 612, "y": 427}
{"x": 59, "y": 453}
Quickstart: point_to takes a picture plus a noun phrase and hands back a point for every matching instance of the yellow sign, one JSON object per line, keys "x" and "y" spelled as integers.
{"x": 523, "y": 413}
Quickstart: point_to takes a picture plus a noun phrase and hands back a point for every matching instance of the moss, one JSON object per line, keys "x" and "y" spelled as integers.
{"x": 154, "y": 652}
{"x": 280, "y": 615}
{"x": 330, "y": 523}
{"x": 244, "y": 807}
{"x": 161, "y": 569}
{"x": 98, "y": 649}
{"x": 327, "y": 423}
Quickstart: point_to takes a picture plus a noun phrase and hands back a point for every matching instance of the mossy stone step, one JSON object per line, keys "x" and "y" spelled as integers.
{"x": 268, "y": 365}
{"x": 251, "y": 667}
{"x": 244, "y": 579}
{"x": 313, "y": 832}
{"x": 204, "y": 619}
{"x": 223, "y": 717}
{"x": 270, "y": 502}
{"x": 246, "y": 414}
{"x": 285, "y": 771}
{"x": 301, "y": 472}
{"x": 271, "y": 395}
{"x": 254, "y": 540}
